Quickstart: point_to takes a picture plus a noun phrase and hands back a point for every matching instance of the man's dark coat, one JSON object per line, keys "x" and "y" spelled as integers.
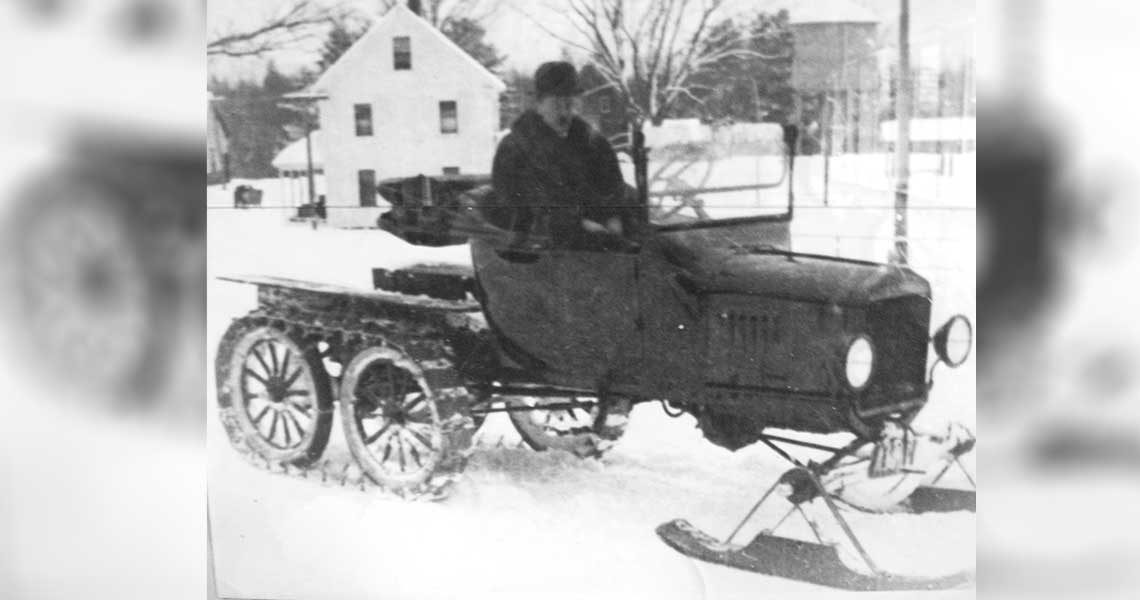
{"x": 546, "y": 184}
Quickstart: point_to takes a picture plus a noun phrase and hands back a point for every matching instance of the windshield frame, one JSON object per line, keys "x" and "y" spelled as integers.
{"x": 783, "y": 217}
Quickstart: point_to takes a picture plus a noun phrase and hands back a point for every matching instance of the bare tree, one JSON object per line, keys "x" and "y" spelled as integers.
{"x": 441, "y": 12}
{"x": 652, "y": 51}
{"x": 297, "y": 21}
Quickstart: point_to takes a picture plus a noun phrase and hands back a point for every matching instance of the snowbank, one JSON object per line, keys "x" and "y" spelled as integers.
{"x": 520, "y": 524}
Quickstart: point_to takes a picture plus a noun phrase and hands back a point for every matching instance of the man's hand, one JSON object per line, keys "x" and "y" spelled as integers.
{"x": 612, "y": 226}
{"x": 593, "y": 226}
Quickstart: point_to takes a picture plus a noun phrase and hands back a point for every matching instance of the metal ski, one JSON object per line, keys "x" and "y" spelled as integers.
{"x": 891, "y": 459}
{"x": 930, "y": 498}
{"x": 792, "y": 559}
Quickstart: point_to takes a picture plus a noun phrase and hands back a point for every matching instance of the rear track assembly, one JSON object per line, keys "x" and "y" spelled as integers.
{"x": 337, "y": 339}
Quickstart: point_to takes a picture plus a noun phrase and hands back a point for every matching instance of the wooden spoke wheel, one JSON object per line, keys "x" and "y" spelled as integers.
{"x": 83, "y": 295}
{"x": 574, "y": 429}
{"x": 391, "y": 419}
{"x": 277, "y": 395}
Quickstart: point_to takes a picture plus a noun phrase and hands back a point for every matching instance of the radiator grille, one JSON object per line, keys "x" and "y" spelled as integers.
{"x": 900, "y": 330}
{"x": 750, "y": 332}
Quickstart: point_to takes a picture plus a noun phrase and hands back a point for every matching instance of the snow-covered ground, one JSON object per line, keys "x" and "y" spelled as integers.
{"x": 520, "y": 524}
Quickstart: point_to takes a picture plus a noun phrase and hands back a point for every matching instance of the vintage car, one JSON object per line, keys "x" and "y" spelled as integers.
{"x": 701, "y": 303}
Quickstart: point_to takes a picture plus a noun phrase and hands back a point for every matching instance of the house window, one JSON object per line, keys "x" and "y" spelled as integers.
{"x": 366, "y": 179}
{"x": 451, "y": 170}
{"x": 604, "y": 104}
{"x": 402, "y": 53}
{"x": 448, "y": 117}
{"x": 363, "y": 118}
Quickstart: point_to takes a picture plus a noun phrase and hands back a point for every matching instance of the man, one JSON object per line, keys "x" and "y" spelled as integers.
{"x": 553, "y": 174}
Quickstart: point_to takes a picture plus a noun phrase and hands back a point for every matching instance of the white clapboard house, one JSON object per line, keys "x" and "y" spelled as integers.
{"x": 404, "y": 100}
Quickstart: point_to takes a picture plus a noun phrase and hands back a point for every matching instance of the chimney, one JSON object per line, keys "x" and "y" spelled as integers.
{"x": 416, "y": 7}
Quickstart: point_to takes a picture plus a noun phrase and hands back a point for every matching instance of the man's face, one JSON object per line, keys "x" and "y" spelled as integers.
{"x": 558, "y": 111}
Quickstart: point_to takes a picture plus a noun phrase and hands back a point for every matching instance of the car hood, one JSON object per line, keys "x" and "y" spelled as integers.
{"x": 809, "y": 277}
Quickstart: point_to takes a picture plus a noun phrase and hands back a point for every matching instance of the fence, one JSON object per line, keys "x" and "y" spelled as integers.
{"x": 853, "y": 216}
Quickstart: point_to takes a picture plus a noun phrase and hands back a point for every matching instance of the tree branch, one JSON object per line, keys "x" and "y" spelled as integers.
{"x": 293, "y": 24}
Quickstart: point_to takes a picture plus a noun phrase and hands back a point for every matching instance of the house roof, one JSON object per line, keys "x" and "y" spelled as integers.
{"x": 400, "y": 10}
{"x": 293, "y": 157}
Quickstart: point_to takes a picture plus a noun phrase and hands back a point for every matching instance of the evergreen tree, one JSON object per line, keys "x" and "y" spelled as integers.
{"x": 752, "y": 87}
{"x": 771, "y": 76}
{"x": 470, "y": 35}
{"x": 517, "y": 97}
{"x": 255, "y": 120}
{"x": 341, "y": 37}
{"x": 275, "y": 83}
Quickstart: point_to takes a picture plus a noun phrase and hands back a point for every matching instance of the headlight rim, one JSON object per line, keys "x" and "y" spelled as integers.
{"x": 847, "y": 359}
{"x": 942, "y": 336}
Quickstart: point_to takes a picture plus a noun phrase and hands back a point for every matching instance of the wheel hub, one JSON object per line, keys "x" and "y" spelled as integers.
{"x": 276, "y": 389}
{"x": 395, "y": 414}
{"x": 96, "y": 281}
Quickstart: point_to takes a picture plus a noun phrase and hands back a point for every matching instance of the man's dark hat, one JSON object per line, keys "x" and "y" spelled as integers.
{"x": 556, "y": 79}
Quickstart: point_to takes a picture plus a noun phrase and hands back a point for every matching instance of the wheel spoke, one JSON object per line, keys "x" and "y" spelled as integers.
{"x": 300, "y": 430}
{"x": 251, "y": 373}
{"x": 415, "y": 454}
{"x": 420, "y": 417}
{"x": 273, "y": 358}
{"x": 285, "y": 365}
{"x": 411, "y": 387}
{"x": 304, "y": 409}
{"x": 379, "y": 432}
{"x": 291, "y": 393}
{"x": 371, "y": 397}
{"x": 418, "y": 399}
{"x": 261, "y": 415}
{"x": 292, "y": 378}
{"x": 261, "y": 360}
{"x": 387, "y": 451}
{"x": 391, "y": 380}
{"x": 285, "y": 429}
{"x": 273, "y": 426}
{"x": 425, "y": 440}
{"x": 403, "y": 462}
{"x": 424, "y": 428}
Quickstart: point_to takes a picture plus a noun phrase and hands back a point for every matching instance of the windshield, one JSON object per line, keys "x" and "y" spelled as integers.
{"x": 703, "y": 173}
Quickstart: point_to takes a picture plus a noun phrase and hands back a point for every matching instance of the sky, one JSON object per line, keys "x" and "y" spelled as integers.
{"x": 509, "y": 29}
{"x": 512, "y": 29}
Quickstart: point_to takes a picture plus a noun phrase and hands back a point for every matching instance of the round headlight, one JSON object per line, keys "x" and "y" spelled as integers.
{"x": 859, "y": 362}
{"x": 954, "y": 340}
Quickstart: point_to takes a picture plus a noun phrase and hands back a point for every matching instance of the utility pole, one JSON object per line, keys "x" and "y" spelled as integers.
{"x": 309, "y": 159}
{"x": 903, "y": 102}
{"x": 302, "y": 103}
